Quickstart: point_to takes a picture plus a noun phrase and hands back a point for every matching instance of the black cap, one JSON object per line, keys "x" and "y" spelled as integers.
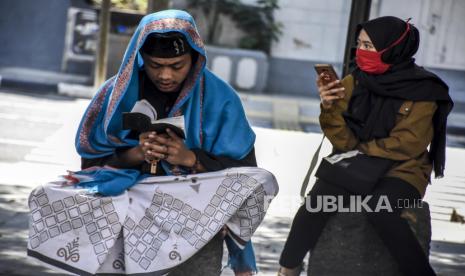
{"x": 166, "y": 45}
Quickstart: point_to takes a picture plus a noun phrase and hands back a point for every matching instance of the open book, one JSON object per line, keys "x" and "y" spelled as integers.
{"x": 143, "y": 118}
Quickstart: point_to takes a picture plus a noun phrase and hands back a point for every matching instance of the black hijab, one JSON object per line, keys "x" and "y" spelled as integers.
{"x": 377, "y": 98}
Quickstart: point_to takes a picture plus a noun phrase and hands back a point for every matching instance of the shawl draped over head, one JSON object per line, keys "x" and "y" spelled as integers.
{"x": 377, "y": 98}
{"x": 214, "y": 118}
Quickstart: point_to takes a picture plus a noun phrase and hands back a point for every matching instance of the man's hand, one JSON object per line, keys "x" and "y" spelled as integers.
{"x": 169, "y": 147}
{"x": 330, "y": 92}
{"x": 146, "y": 137}
{"x": 146, "y": 140}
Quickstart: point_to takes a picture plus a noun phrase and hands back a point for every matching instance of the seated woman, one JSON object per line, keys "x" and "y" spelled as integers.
{"x": 388, "y": 108}
{"x": 164, "y": 67}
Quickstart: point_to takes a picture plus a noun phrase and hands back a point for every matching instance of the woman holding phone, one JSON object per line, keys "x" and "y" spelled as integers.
{"x": 391, "y": 109}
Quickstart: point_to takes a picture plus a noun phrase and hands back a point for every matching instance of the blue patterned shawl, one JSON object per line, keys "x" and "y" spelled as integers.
{"x": 214, "y": 117}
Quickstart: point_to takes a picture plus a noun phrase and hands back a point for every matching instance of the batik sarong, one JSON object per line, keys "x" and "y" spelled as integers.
{"x": 152, "y": 227}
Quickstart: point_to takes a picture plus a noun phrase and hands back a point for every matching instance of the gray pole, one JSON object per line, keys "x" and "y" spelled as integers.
{"x": 102, "y": 49}
{"x": 157, "y": 5}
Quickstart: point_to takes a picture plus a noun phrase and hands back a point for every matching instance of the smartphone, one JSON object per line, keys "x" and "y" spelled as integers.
{"x": 329, "y": 74}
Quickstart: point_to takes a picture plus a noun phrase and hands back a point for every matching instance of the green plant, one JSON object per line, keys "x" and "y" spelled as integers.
{"x": 136, "y": 5}
{"x": 256, "y": 21}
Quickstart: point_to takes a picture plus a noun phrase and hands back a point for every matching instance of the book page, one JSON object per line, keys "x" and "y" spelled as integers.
{"x": 176, "y": 121}
{"x": 144, "y": 107}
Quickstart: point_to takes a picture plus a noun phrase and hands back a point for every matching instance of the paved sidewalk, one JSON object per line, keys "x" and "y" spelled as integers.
{"x": 285, "y": 153}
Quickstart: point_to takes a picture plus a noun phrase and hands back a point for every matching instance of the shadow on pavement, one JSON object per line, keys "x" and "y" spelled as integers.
{"x": 447, "y": 258}
{"x": 269, "y": 242}
{"x": 14, "y": 232}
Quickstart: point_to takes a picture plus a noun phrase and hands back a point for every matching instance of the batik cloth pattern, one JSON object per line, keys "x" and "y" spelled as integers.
{"x": 154, "y": 226}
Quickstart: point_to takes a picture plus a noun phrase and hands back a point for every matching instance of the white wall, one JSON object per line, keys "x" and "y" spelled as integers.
{"x": 312, "y": 30}
{"x": 441, "y": 24}
{"x": 315, "y": 30}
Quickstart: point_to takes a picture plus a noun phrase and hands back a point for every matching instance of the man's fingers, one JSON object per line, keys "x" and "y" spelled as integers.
{"x": 172, "y": 135}
{"x": 170, "y": 141}
{"x": 157, "y": 155}
{"x": 161, "y": 140}
{"x": 157, "y": 152}
{"x": 158, "y": 148}
{"x": 145, "y": 135}
{"x": 172, "y": 151}
{"x": 162, "y": 151}
{"x": 169, "y": 147}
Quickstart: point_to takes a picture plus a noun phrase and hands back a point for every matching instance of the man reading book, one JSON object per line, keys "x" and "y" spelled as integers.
{"x": 165, "y": 66}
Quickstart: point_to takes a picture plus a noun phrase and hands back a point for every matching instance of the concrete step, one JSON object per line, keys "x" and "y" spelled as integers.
{"x": 37, "y": 80}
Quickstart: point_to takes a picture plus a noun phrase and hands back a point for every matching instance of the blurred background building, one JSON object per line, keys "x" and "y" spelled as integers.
{"x": 264, "y": 48}
{"x": 259, "y": 46}
{"x": 62, "y": 47}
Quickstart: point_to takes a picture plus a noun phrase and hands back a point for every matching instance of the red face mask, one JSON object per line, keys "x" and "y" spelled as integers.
{"x": 371, "y": 62}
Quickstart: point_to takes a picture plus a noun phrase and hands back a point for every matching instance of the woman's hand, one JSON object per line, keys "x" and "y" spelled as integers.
{"x": 169, "y": 147}
{"x": 329, "y": 93}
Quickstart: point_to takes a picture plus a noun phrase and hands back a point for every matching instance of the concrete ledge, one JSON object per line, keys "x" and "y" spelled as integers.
{"x": 37, "y": 80}
{"x": 350, "y": 246}
{"x": 76, "y": 90}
